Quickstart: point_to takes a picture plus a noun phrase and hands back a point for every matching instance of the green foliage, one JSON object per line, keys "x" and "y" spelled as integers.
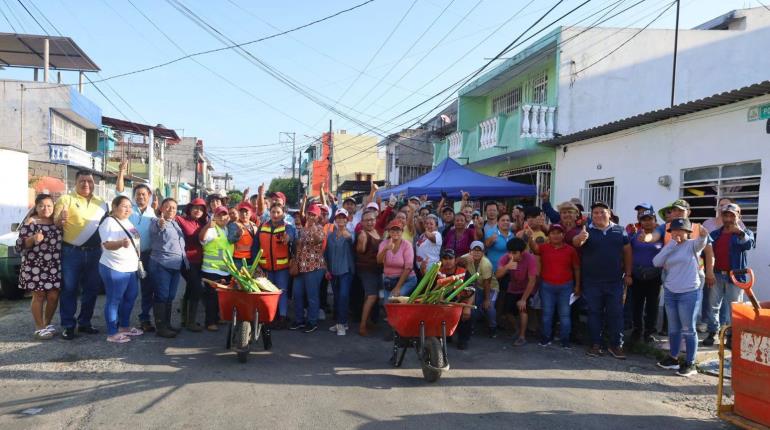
{"x": 235, "y": 196}
{"x": 288, "y": 186}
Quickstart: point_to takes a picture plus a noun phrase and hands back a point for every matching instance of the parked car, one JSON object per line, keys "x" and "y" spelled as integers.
{"x": 10, "y": 262}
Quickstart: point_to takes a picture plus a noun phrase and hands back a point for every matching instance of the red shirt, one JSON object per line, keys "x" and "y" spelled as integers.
{"x": 557, "y": 263}
{"x": 519, "y": 277}
{"x": 722, "y": 251}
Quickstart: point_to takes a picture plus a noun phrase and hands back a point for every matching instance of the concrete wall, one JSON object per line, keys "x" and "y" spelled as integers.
{"x": 14, "y": 200}
{"x": 635, "y": 158}
{"x": 355, "y": 153}
{"x": 637, "y": 77}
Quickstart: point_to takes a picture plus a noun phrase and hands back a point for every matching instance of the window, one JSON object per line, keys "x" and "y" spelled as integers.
{"x": 600, "y": 190}
{"x": 539, "y": 85}
{"x": 508, "y": 102}
{"x": 538, "y": 175}
{"x": 66, "y": 132}
{"x": 703, "y": 187}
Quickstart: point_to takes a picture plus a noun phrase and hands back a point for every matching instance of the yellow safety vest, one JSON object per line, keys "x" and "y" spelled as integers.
{"x": 214, "y": 252}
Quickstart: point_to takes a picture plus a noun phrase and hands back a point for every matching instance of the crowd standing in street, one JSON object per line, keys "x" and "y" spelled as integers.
{"x": 537, "y": 266}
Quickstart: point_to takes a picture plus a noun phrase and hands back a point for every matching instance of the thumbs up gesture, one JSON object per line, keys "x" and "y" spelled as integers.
{"x": 63, "y": 216}
{"x": 39, "y": 237}
{"x": 583, "y": 235}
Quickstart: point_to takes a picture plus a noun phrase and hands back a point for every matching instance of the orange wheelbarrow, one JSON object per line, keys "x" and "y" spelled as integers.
{"x": 247, "y": 313}
{"x": 425, "y": 328}
{"x": 750, "y": 360}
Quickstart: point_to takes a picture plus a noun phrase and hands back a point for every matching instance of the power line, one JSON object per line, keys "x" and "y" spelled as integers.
{"x": 8, "y": 20}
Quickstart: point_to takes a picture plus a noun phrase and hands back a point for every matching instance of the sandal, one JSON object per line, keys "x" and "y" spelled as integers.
{"x": 51, "y": 328}
{"x": 43, "y": 334}
{"x": 520, "y": 341}
{"x": 118, "y": 338}
{"x": 132, "y": 332}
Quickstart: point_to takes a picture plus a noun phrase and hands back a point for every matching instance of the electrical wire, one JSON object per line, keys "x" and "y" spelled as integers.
{"x": 8, "y": 20}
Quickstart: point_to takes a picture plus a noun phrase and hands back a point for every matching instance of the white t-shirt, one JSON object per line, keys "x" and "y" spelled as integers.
{"x": 428, "y": 251}
{"x": 122, "y": 259}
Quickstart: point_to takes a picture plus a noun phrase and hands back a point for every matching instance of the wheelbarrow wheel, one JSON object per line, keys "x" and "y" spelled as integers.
{"x": 432, "y": 359}
{"x": 241, "y": 341}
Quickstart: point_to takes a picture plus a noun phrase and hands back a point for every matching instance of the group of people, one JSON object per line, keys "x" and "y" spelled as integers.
{"x": 534, "y": 263}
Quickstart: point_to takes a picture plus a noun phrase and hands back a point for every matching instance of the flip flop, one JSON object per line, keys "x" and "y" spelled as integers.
{"x": 118, "y": 338}
{"x": 133, "y": 332}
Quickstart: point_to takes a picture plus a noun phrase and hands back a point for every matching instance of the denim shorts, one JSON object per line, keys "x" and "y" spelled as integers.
{"x": 389, "y": 282}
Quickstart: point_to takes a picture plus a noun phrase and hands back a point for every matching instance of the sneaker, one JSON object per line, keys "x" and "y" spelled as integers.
{"x": 336, "y": 327}
{"x": 617, "y": 352}
{"x": 51, "y": 328}
{"x": 321, "y": 315}
{"x": 296, "y": 325}
{"x": 87, "y": 329}
{"x": 687, "y": 369}
{"x": 342, "y": 330}
{"x": 709, "y": 340}
{"x": 43, "y": 334}
{"x": 595, "y": 351}
{"x": 68, "y": 333}
{"x": 668, "y": 363}
{"x": 310, "y": 328}
{"x": 544, "y": 342}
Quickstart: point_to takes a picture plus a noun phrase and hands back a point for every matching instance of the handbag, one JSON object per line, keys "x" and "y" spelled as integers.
{"x": 140, "y": 272}
{"x": 646, "y": 273}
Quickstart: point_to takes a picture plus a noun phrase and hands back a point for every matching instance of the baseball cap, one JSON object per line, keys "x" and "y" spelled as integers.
{"x": 314, "y": 209}
{"x": 680, "y": 224}
{"x": 477, "y": 244}
{"x": 556, "y": 227}
{"x": 245, "y": 205}
{"x": 476, "y": 213}
{"x": 197, "y": 202}
{"x": 221, "y": 210}
{"x": 414, "y": 198}
{"x": 279, "y": 195}
{"x": 448, "y": 253}
{"x": 645, "y": 206}
{"x": 646, "y": 213}
{"x": 341, "y": 211}
{"x": 396, "y": 223}
{"x": 678, "y": 203}
{"x": 731, "y": 207}
{"x": 324, "y": 208}
{"x": 447, "y": 209}
{"x": 373, "y": 205}
{"x": 349, "y": 199}
{"x": 599, "y": 204}
{"x": 222, "y": 194}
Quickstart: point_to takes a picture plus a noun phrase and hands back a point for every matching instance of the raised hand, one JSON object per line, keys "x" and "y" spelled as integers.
{"x": 545, "y": 195}
{"x": 123, "y": 166}
{"x": 39, "y": 237}
{"x": 583, "y": 235}
{"x": 261, "y": 189}
{"x": 161, "y": 223}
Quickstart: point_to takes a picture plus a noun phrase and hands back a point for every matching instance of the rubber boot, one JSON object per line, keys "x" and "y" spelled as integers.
{"x": 464, "y": 331}
{"x": 192, "y": 312}
{"x": 168, "y": 319}
{"x": 161, "y": 329}
{"x": 267, "y": 338}
{"x": 183, "y": 306}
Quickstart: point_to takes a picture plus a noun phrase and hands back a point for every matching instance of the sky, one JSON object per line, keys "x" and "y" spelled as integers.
{"x": 369, "y": 65}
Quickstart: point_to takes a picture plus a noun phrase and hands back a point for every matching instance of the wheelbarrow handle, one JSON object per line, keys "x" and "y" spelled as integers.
{"x": 742, "y": 285}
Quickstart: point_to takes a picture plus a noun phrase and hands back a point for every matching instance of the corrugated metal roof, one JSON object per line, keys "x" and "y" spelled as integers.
{"x": 135, "y": 127}
{"x": 717, "y": 100}
{"x": 26, "y": 50}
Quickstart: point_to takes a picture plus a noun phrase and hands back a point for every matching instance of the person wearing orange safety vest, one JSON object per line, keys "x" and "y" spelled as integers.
{"x": 242, "y": 233}
{"x": 276, "y": 239}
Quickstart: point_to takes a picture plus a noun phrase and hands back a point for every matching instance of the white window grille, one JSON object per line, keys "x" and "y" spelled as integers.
{"x": 66, "y": 132}
{"x": 602, "y": 190}
{"x": 508, "y": 102}
{"x": 539, "y": 85}
{"x": 703, "y": 187}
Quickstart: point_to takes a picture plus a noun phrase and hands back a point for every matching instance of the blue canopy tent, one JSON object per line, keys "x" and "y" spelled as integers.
{"x": 453, "y": 178}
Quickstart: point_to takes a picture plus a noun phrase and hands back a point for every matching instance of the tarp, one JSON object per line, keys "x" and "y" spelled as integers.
{"x": 453, "y": 178}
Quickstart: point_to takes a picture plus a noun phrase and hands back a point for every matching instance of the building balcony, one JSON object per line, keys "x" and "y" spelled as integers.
{"x": 73, "y": 156}
{"x": 537, "y": 121}
{"x": 455, "y": 142}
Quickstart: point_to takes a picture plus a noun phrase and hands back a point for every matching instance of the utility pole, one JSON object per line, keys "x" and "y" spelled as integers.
{"x": 151, "y": 156}
{"x": 286, "y": 137}
{"x": 331, "y": 155}
{"x": 676, "y": 42}
{"x": 195, "y": 158}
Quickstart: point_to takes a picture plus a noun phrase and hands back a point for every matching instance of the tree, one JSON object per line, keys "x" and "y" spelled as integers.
{"x": 288, "y": 186}
{"x": 235, "y": 196}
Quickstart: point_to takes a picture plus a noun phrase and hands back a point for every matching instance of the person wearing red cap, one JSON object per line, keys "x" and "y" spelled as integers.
{"x": 241, "y": 232}
{"x": 263, "y": 205}
{"x": 276, "y": 239}
{"x": 311, "y": 267}
{"x": 213, "y": 237}
{"x": 560, "y": 273}
{"x": 191, "y": 224}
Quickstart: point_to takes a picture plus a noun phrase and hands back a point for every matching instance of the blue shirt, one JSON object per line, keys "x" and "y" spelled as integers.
{"x": 499, "y": 248}
{"x": 602, "y": 254}
{"x": 339, "y": 254}
{"x": 168, "y": 245}
{"x": 644, "y": 252}
{"x": 141, "y": 221}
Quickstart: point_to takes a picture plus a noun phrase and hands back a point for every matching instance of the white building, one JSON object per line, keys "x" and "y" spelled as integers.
{"x": 700, "y": 151}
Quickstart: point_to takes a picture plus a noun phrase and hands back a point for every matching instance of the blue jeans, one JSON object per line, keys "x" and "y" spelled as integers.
{"x": 556, "y": 297}
{"x": 341, "y": 288}
{"x": 122, "y": 289}
{"x": 721, "y": 295}
{"x": 280, "y": 278}
{"x": 491, "y": 313}
{"x": 148, "y": 288}
{"x": 307, "y": 284}
{"x": 682, "y": 312}
{"x": 165, "y": 281}
{"x": 389, "y": 282}
{"x": 80, "y": 269}
{"x": 605, "y": 302}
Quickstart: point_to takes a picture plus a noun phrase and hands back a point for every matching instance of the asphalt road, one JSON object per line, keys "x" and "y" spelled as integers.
{"x": 321, "y": 380}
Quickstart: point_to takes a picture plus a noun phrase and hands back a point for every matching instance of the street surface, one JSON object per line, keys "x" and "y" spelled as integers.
{"x": 320, "y": 380}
